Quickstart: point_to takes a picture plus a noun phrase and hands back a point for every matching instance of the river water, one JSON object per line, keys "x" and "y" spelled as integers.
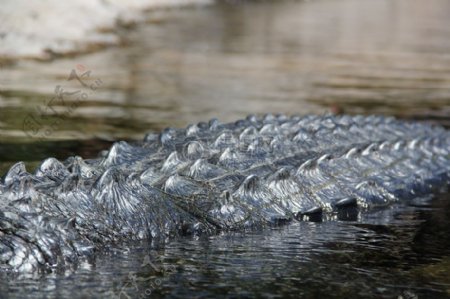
{"x": 227, "y": 60}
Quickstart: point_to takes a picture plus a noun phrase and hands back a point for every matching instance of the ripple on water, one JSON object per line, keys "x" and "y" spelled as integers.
{"x": 226, "y": 61}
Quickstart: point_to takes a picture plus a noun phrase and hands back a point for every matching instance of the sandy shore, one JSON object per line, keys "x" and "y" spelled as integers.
{"x": 40, "y": 29}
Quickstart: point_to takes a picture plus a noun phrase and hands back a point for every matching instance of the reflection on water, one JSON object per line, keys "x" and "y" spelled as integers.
{"x": 226, "y": 61}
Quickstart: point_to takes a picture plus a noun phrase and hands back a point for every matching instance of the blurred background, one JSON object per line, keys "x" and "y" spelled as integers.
{"x": 76, "y": 76}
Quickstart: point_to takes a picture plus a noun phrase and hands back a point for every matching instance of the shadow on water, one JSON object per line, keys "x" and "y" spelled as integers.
{"x": 226, "y": 61}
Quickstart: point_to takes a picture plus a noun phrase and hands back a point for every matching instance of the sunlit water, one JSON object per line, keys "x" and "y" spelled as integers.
{"x": 226, "y": 61}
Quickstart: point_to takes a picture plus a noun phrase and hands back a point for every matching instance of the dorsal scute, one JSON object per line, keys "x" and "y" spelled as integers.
{"x": 53, "y": 169}
{"x": 14, "y": 173}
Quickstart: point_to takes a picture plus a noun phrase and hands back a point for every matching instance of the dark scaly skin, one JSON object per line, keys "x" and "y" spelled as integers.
{"x": 213, "y": 177}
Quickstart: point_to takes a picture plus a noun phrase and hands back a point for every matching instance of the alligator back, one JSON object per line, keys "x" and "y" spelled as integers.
{"x": 214, "y": 177}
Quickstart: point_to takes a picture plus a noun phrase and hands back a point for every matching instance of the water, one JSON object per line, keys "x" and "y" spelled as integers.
{"x": 401, "y": 251}
{"x": 228, "y": 60}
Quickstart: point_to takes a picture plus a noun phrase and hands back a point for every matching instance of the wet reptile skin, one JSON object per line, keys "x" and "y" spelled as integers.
{"x": 213, "y": 177}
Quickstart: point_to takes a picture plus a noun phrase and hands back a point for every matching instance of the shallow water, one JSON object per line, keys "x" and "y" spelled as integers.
{"x": 226, "y": 61}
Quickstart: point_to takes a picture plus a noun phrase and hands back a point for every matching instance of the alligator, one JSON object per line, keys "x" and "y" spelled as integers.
{"x": 214, "y": 177}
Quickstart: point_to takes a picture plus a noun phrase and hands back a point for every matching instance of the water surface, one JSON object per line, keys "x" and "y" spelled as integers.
{"x": 228, "y": 60}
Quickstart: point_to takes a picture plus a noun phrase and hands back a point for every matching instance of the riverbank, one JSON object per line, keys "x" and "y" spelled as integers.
{"x": 48, "y": 28}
